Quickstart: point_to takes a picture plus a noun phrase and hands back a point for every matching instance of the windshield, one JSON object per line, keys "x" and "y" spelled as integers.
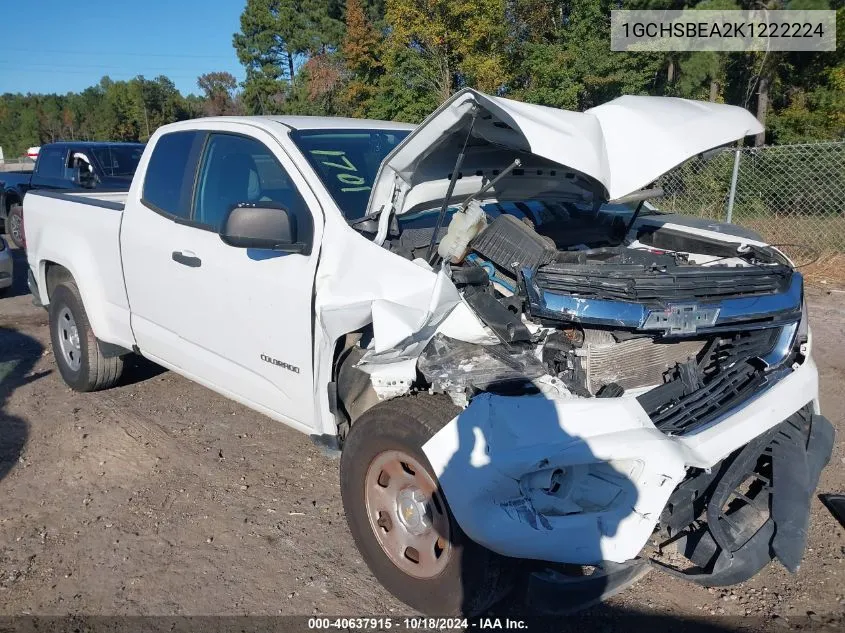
{"x": 347, "y": 162}
{"x": 118, "y": 160}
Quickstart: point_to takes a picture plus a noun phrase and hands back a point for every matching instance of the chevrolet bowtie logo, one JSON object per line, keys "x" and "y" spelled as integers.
{"x": 681, "y": 319}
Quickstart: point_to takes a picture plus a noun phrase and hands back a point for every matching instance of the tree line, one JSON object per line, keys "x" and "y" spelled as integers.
{"x": 399, "y": 59}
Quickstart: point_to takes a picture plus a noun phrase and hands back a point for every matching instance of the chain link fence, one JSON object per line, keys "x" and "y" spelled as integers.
{"x": 793, "y": 195}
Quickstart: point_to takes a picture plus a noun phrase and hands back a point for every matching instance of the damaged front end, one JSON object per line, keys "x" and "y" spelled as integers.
{"x": 621, "y": 399}
{"x": 730, "y": 520}
{"x": 631, "y": 396}
{"x": 628, "y": 379}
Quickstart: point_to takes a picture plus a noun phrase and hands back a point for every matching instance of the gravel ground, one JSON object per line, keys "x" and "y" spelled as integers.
{"x": 159, "y": 497}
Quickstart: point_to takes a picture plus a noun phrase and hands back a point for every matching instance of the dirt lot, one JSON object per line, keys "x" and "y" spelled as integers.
{"x": 161, "y": 497}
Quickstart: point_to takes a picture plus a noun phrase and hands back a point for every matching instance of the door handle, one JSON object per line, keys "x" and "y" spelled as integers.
{"x": 187, "y": 258}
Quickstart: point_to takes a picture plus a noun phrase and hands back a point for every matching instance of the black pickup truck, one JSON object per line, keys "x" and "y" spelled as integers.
{"x": 67, "y": 165}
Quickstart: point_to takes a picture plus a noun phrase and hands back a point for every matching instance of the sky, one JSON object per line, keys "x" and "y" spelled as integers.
{"x": 58, "y": 46}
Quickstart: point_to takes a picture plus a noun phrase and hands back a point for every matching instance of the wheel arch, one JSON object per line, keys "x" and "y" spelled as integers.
{"x": 352, "y": 391}
{"x": 54, "y": 274}
{"x": 10, "y": 197}
{"x": 51, "y": 273}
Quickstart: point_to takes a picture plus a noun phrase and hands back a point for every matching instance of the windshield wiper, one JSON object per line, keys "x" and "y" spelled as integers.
{"x": 373, "y": 215}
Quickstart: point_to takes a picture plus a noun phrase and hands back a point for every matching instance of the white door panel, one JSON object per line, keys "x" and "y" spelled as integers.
{"x": 155, "y": 283}
{"x": 247, "y": 318}
{"x": 239, "y": 320}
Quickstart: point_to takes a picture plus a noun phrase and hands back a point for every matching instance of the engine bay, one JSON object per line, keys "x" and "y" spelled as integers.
{"x": 583, "y": 301}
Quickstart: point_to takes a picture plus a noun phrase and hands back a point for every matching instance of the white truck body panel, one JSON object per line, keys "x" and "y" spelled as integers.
{"x": 482, "y": 456}
{"x": 220, "y": 323}
{"x": 81, "y": 233}
{"x": 186, "y": 318}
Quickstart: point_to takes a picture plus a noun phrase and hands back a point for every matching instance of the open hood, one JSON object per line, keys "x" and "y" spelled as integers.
{"x": 606, "y": 152}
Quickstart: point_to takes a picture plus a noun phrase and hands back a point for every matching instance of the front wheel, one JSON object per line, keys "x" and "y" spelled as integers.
{"x": 400, "y": 519}
{"x": 14, "y": 226}
{"x": 81, "y": 363}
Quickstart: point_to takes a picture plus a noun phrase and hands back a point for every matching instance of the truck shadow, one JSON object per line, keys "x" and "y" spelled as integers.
{"x": 19, "y": 287}
{"x": 136, "y": 368}
{"x": 18, "y": 355}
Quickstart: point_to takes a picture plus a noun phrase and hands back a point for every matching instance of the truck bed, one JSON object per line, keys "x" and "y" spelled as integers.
{"x": 81, "y": 232}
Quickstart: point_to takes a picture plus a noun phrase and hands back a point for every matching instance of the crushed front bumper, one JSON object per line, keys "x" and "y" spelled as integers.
{"x": 753, "y": 506}
{"x": 586, "y": 481}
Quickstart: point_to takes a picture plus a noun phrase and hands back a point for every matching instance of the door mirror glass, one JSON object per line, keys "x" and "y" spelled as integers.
{"x": 82, "y": 174}
{"x": 264, "y": 225}
{"x": 82, "y": 177}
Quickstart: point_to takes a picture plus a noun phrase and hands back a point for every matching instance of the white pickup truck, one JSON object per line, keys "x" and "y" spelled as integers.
{"x": 529, "y": 370}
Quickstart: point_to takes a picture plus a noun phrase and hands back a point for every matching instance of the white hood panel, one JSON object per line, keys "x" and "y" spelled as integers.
{"x": 644, "y": 137}
{"x": 622, "y": 146}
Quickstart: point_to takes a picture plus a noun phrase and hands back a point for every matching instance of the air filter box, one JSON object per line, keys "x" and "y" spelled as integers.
{"x": 512, "y": 245}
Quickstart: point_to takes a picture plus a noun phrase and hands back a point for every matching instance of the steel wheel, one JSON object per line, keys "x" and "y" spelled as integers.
{"x": 75, "y": 347}
{"x": 16, "y": 228}
{"x": 69, "y": 339}
{"x": 406, "y": 514}
{"x": 400, "y": 519}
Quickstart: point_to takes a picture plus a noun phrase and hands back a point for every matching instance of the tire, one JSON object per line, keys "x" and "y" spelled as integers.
{"x": 14, "y": 226}
{"x": 471, "y": 578}
{"x": 81, "y": 363}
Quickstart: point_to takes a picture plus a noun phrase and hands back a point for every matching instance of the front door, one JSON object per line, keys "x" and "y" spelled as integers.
{"x": 238, "y": 320}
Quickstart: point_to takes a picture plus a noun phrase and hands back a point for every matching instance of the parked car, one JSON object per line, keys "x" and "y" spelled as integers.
{"x": 67, "y": 165}
{"x": 525, "y": 372}
{"x": 7, "y": 272}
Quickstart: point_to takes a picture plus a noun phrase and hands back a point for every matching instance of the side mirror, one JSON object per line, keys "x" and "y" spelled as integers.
{"x": 264, "y": 225}
{"x": 83, "y": 178}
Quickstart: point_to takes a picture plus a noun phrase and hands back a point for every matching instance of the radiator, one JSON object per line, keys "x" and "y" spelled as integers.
{"x": 637, "y": 362}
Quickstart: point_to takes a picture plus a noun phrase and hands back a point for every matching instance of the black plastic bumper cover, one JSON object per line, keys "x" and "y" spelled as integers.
{"x": 836, "y": 505}
{"x": 732, "y": 546}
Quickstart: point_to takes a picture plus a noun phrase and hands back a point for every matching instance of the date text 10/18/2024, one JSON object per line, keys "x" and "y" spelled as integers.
{"x": 416, "y": 623}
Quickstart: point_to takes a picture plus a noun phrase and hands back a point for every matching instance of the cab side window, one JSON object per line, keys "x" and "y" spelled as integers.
{"x": 51, "y": 162}
{"x": 169, "y": 180}
{"x": 79, "y": 167}
{"x": 240, "y": 170}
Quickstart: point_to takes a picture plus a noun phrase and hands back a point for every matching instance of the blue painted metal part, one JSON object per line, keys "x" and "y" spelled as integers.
{"x": 490, "y": 269}
{"x": 740, "y": 313}
{"x": 746, "y": 308}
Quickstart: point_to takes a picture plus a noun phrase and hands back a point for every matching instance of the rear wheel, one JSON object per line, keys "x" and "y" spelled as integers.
{"x": 400, "y": 519}
{"x": 14, "y": 225}
{"x": 81, "y": 363}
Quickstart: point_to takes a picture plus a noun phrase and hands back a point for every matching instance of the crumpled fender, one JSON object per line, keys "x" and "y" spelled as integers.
{"x": 405, "y": 302}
